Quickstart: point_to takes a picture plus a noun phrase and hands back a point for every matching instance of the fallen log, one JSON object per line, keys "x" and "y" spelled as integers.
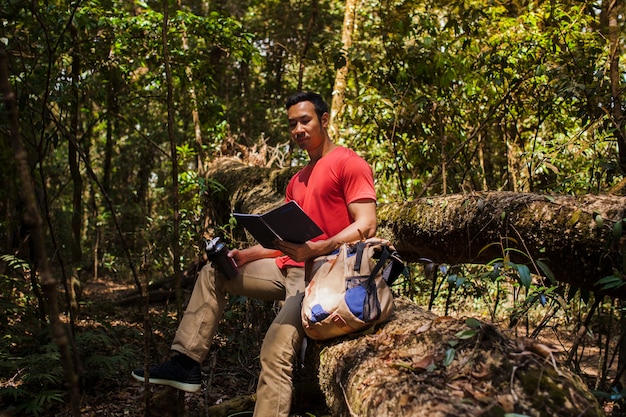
{"x": 579, "y": 238}
{"x": 419, "y": 364}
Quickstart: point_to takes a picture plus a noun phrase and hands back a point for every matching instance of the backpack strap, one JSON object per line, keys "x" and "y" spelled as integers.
{"x": 360, "y": 248}
{"x": 384, "y": 255}
{"x": 394, "y": 268}
{"x": 371, "y": 304}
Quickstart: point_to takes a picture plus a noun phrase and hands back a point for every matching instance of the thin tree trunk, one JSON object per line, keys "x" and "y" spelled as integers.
{"x": 481, "y": 158}
{"x": 339, "y": 89}
{"x": 613, "y": 13}
{"x": 77, "y": 201}
{"x": 307, "y": 41}
{"x": 174, "y": 191}
{"x": 32, "y": 218}
{"x": 615, "y": 7}
{"x": 174, "y": 158}
{"x": 195, "y": 116}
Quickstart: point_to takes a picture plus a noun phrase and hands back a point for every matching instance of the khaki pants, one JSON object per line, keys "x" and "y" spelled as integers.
{"x": 263, "y": 280}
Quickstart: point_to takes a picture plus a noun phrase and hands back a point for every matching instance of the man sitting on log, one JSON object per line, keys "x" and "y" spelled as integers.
{"x": 336, "y": 190}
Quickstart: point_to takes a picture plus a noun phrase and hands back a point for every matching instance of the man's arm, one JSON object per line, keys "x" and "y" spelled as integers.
{"x": 243, "y": 256}
{"x": 364, "y": 214}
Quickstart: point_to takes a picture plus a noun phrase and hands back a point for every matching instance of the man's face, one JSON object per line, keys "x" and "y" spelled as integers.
{"x": 305, "y": 127}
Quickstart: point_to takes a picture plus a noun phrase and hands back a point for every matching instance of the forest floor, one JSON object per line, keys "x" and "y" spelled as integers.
{"x": 229, "y": 372}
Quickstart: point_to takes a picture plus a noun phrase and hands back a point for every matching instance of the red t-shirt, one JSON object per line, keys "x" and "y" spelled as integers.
{"x": 325, "y": 189}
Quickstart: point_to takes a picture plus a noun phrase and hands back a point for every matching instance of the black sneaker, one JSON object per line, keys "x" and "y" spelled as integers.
{"x": 173, "y": 374}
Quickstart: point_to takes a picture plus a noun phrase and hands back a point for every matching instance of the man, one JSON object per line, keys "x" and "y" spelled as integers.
{"x": 336, "y": 189}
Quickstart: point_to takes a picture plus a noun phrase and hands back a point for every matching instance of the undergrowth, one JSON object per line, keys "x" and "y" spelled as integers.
{"x": 31, "y": 377}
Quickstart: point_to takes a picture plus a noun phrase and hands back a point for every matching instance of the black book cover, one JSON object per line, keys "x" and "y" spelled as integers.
{"x": 287, "y": 222}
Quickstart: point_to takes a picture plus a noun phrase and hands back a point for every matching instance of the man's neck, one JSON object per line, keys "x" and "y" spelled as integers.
{"x": 317, "y": 154}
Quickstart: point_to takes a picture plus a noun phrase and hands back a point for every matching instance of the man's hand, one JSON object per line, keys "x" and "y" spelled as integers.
{"x": 243, "y": 256}
{"x": 302, "y": 252}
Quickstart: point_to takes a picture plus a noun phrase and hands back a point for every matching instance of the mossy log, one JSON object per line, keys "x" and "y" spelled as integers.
{"x": 419, "y": 364}
{"x": 579, "y": 238}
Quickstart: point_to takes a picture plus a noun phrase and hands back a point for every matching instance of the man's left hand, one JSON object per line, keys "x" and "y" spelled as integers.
{"x": 300, "y": 252}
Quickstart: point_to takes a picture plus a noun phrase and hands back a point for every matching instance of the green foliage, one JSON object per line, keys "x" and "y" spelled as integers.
{"x": 33, "y": 385}
{"x": 442, "y": 97}
{"x": 510, "y": 287}
{"x": 448, "y": 76}
{"x": 34, "y": 381}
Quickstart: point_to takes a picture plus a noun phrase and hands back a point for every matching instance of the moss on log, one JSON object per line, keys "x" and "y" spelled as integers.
{"x": 575, "y": 236}
{"x": 244, "y": 188}
{"x": 419, "y": 364}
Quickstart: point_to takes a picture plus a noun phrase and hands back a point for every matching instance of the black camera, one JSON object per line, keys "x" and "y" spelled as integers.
{"x": 217, "y": 253}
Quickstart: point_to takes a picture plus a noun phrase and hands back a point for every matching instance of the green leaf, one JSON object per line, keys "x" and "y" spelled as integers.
{"x": 449, "y": 357}
{"x": 484, "y": 248}
{"x": 610, "y": 281}
{"x": 599, "y": 221}
{"x": 617, "y": 230}
{"x": 574, "y": 219}
{"x": 546, "y": 270}
{"x": 473, "y": 323}
{"x": 524, "y": 254}
{"x": 466, "y": 334}
{"x": 524, "y": 275}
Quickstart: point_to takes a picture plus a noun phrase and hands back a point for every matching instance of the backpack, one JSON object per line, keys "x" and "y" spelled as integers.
{"x": 351, "y": 291}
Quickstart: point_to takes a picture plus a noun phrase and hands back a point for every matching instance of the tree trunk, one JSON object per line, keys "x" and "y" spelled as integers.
{"x": 74, "y": 161}
{"x": 575, "y": 236}
{"x": 419, "y": 364}
{"x": 342, "y": 64}
{"x": 193, "y": 102}
{"x": 613, "y": 13}
{"x": 32, "y": 219}
{"x": 174, "y": 198}
{"x": 306, "y": 44}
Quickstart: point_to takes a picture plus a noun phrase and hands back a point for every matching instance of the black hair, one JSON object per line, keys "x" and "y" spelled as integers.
{"x": 318, "y": 102}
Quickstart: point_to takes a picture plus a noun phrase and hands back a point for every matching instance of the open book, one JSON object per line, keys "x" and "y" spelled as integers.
{"x": 287, "y": 222}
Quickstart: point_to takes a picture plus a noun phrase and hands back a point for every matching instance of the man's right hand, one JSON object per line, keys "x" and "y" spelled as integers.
{"x": 243, "y": 256}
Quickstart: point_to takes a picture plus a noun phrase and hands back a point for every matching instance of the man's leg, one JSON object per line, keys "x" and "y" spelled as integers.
{"x": 259, "y": 279}
{"x": 280, "y": 348}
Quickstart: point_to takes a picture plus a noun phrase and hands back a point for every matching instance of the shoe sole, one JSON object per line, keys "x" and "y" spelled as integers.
{"x": 183, "y": 386}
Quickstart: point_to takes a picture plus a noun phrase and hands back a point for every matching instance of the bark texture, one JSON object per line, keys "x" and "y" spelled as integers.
{"x": 419, "y": 364}
{"x": 574, "y": 235}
